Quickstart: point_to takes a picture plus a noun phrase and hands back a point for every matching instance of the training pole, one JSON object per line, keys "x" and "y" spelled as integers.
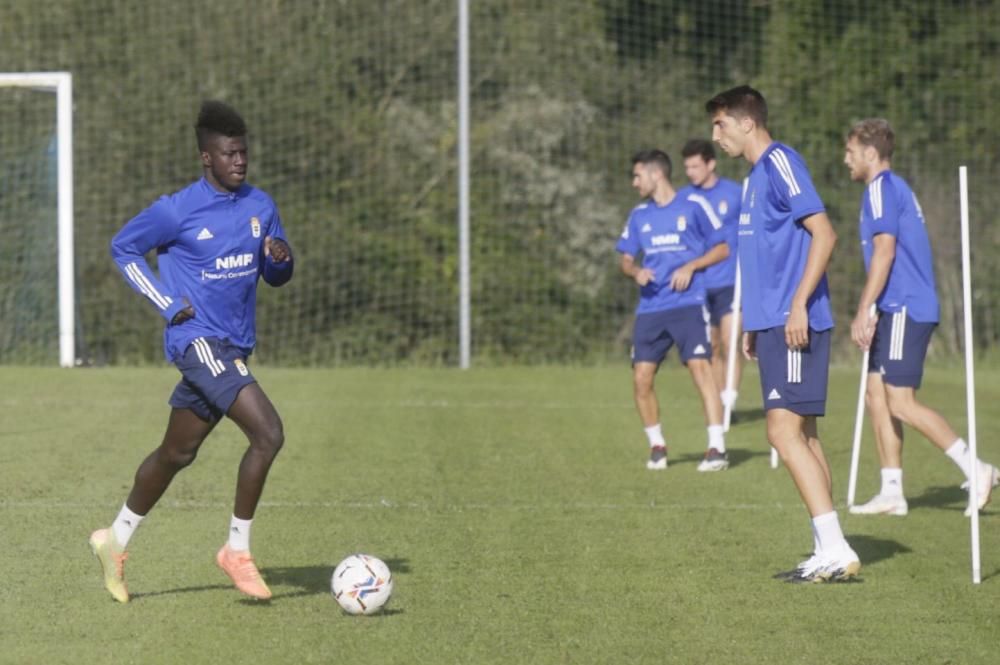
{"x": 859, "y": 421}
{"x": 729, "y": 394}
{"x": 970, "y": 391}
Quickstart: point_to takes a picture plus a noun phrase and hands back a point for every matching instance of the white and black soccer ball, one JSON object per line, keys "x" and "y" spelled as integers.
{"x": 361, "y": 584}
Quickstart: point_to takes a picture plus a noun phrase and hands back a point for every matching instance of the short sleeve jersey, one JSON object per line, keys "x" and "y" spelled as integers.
{"x": 724, "y": 197}
{"x": 774, "y": 245}
{"x": 888, "y": 205}
{"x": 668, "y": 237}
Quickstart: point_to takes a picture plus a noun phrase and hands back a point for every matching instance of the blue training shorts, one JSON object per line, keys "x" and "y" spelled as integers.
{"x": 899, "y": 349}
{"x": 213, "y": 373}
{"x": 656, "y": 332}
{"x": 794, "y": 379}
{"x": 719, "y": 303}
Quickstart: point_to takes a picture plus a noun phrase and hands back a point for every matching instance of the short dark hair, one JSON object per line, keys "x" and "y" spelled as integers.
{"x": 698, "y": 147}
{"x": 657, "y": 158}
{"x": 874, "y": 132}
{"x": 740, "y": 102}
{"x": 218, "y": 119}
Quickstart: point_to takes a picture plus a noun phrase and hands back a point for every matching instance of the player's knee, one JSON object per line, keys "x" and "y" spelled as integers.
{"x": 901, "y": 407}
{"x": 178, "y": 458}
{"x": 270, "y": 438}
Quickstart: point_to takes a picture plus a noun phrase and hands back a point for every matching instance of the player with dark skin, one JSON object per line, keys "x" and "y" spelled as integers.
{"x": 210, "y": 347}
{"x": 224, "y": 161}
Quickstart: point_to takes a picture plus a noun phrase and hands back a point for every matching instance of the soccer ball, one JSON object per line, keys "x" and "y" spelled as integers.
{"x": 361, "y": 584}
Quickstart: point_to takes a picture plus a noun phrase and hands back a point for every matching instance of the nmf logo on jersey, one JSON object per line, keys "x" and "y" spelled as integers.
{"x": 665, "y": 239}
{"x": 234, "y": 261}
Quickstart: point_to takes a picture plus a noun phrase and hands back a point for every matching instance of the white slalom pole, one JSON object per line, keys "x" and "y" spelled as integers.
{"x": 859, "y": 421}
{"x": 970, "y": 392}
{"x": 729, "y": 394}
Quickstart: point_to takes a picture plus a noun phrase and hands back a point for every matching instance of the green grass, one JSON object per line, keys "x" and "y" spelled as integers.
{"x": 515, "y": 511}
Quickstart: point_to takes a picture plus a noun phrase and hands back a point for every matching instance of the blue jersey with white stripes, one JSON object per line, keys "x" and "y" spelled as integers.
{"x": 669, "y": 236}
{"x": 724, "y": 197}
{"x": 888, "y": 205}
{"x": 210, "y": 251}
{"x": 774, "y": 245}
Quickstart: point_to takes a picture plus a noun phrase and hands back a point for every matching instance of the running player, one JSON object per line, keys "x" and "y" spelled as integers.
{"x": 214, "y": 239}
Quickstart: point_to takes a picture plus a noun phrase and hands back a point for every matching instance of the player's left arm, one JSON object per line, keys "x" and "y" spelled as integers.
{"x": 883, "y": 254}
{"x": 824, "y": 238}
{"x": 711, "y": 228}
{"x": 277, "y": 264}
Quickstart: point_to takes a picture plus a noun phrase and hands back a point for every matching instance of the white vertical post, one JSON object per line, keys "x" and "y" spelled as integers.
{"x": 970, "y": 387}
{"x": 62, "y": 84}
{"x": 464, "y": 319}
{"x": 859, "y": 421}
{"x": 64, "y": 121}
{"x": 735, "y": 347}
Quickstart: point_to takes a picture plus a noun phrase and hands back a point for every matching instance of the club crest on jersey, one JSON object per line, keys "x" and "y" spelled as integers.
{"x": 255, "y": 227}
{"x": 681, "y": 223}
{"x": 723, "y": 207}
{"x": 241, "y": 367}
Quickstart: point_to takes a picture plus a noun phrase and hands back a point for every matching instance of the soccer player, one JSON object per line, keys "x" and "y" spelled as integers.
{"x": 785, "y": 243}
{"x": 214, "y": 239}
{"x": 677, "y": 239}
{"x": 720, "y": 279}
{"x": 900, "y": 283}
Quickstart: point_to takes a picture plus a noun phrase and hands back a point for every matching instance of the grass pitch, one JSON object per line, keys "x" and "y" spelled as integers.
{"x": 514, "y": 509}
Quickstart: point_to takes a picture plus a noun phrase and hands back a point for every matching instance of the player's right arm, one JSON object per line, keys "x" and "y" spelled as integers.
{"x": 630, "y": 247}
{"x": 883, "y": 254}
{"x": 155, "y": 226}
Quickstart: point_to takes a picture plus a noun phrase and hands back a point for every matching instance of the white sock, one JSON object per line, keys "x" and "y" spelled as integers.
{"x": 815, "y": 538}
{"x": 729, "y": 397}
{"x": 959, "y": 454}
{"x": 716, "y": 439}
{"x": 655, "y": 436}
{"x": 892, "y": 482}
{"x": 827, "y": 526}
{"x": 239, "y": 534}
{"x": 125, "y": 525}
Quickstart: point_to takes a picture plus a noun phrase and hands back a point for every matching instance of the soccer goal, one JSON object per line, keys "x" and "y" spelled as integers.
{"x": 25, "y": 152}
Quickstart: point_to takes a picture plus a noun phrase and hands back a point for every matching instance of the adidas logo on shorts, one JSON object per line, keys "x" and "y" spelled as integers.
{"x": 774, "y": 394}
{"x": 699, "y": 349}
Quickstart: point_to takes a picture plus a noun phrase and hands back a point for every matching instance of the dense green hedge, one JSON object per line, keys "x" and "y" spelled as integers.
{"x": 352, "y": 114}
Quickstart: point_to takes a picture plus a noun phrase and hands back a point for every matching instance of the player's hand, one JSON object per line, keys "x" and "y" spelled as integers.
{"x": 681, "y": 278}
{"x": 750, "y": 345}
{"x": 797, "y": 328}
{"x": 184, "y": 314}
{"x": 277, "y": 249}
{"x": 863, "y": 328}
{"x": 644, "y": 277}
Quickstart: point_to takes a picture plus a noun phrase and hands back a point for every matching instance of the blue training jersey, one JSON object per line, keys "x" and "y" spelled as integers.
{"x": 724, "y": 197}
{"x": 210, "y": 250}
{"x": 888, "y": 205}
{"x": 668, "y": 237}
{"x": 774, "y": 245}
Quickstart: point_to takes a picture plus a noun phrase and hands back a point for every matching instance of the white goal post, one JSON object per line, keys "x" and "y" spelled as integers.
{"x": 60, "y": 83}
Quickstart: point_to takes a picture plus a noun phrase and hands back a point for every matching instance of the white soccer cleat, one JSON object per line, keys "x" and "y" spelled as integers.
{"x": 838, "y": 566}
{"x": 657, "y": 458}
{"x": 882, "y": 504}
{"x": 989, "y": 477}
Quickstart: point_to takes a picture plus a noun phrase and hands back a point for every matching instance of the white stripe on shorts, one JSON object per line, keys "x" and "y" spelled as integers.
{"x": 794, "y": 372}
{"x": 204, "y": 352}
{"x": 898, "y": 335}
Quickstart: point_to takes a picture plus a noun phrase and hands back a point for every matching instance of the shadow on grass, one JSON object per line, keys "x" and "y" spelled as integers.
{"x": 947, "y": 497}
{"x": 737, "y": 456}
{"x": 745, "y": 416}
{"x": 872, "y": 550}
{"x": 308, "y": 580}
